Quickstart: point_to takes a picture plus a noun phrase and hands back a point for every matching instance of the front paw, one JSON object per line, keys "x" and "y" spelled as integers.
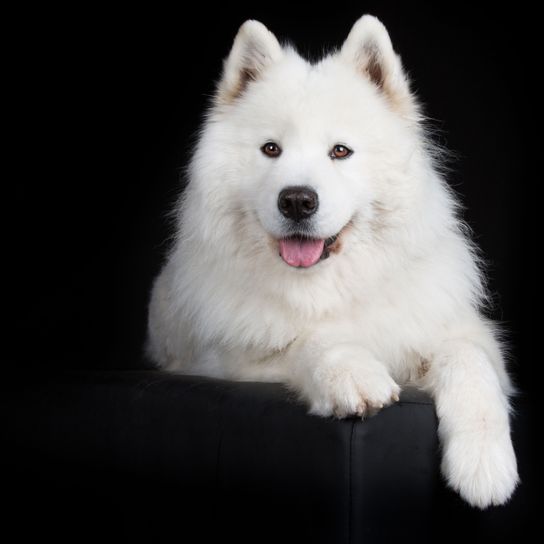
{"x": 347, "y": 383}
{"x": 482, "y": 469}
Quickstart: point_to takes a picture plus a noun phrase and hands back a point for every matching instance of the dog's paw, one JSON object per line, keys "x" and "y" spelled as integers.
{"x": 345, "y": 384}
{"x": 482, "y": 469}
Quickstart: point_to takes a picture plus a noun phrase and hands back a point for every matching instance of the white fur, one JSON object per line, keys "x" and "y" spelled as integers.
{"x": 399, "y": 303}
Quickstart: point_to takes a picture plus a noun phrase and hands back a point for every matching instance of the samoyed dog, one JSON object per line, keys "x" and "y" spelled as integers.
{"x": 318, "y": 245}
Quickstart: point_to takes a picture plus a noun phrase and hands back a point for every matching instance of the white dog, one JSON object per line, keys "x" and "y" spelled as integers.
{"x": 317, "y": 245}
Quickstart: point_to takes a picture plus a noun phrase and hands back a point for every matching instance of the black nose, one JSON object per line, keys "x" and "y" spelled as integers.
{"x": 298, "y": 203}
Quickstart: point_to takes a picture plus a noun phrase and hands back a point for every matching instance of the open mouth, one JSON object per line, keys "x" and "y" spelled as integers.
{"x": 303, "y": 252}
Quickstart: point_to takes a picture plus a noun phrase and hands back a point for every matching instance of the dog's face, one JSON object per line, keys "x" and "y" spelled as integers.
{"x": 307, "y": 147}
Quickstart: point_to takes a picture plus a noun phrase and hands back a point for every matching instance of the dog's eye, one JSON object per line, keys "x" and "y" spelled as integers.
{"x": 271, "y": 149}
{"x": 340, "y": 151}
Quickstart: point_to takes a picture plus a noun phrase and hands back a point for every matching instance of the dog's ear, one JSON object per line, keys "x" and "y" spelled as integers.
{"x": 254, "y": 49}
{"x": 368, "y": 48}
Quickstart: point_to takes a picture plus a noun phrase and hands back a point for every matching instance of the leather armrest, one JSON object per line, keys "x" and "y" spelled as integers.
{"x": 150, "y": 452}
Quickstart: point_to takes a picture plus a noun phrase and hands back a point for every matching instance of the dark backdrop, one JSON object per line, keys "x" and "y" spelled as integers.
{"x": 107, "y": 103}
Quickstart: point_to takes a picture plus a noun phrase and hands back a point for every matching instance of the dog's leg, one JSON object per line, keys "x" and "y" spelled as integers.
{"x": 337, "y": 376}
{"x": 478, "y": 459}
{"x": 328, "y": 369}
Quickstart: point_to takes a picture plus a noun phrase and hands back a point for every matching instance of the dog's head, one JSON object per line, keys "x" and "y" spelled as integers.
{"x": 299, "y": 158}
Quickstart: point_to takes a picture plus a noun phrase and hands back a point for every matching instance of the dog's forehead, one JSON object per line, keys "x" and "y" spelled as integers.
{"x": 329, "y": 81}
{"x": 298, "y": 94}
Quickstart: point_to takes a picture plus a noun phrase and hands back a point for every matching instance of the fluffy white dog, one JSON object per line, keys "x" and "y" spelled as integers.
{"x": 318, "y": 245}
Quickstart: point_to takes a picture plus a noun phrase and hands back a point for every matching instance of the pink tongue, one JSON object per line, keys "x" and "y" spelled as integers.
{"x": 303, "y": 253}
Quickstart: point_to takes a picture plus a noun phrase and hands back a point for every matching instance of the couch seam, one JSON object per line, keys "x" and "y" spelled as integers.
{"x": 350, "y": 481}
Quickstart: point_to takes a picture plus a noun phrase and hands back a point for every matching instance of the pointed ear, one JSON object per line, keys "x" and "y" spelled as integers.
{"x": 368, "y": 48}
{"x": 254, "y": 49}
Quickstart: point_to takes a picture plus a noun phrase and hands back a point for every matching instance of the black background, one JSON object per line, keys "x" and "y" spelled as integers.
{"x": 107, "y": 104}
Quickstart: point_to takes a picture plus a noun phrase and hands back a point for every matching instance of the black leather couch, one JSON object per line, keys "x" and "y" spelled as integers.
{"x": 148, "y": 455}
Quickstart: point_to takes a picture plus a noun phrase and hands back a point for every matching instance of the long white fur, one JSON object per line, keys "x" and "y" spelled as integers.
{"x": 398, "y": 304}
